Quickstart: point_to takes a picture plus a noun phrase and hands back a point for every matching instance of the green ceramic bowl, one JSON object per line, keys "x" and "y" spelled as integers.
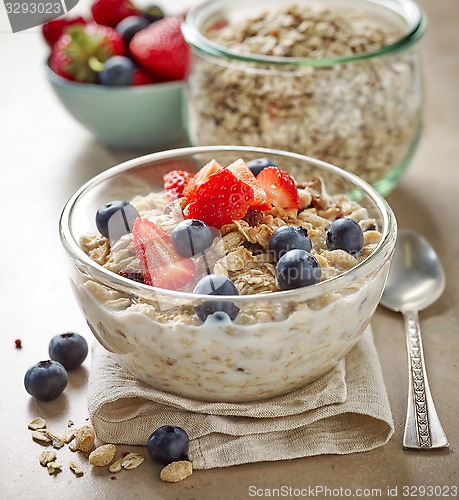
{"x": 142, "y": 117}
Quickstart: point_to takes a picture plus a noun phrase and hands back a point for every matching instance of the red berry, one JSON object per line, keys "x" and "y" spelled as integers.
{"x": 141, "y": 77}
{"x": 175, "y": 183}
{"x": 199, "y": 178}
{"x": 242, "y": 172}
{"x": 160, "y": 263}
{"x": 280, "y": 187}
{"x": 112, "y": 12}
{"x": 161, "y": 49}
{"x": 79, "y": 48}
{"x": 220, "y": 200}
{"x": 53, "y": 29}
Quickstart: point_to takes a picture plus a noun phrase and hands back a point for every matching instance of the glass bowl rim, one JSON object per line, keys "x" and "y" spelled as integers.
{"x": 370, "y": 264}
{"x": 205, "y": 46}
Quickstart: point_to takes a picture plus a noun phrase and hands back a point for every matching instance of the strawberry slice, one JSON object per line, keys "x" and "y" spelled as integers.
{"x": 175, "y": 182}
{"x": 243, "y": 172}
{"x": 220, "y": 200}
{"x": 160, "y": 264}
{"x": 200, "y": 177}
{"x": 280, "y": 187}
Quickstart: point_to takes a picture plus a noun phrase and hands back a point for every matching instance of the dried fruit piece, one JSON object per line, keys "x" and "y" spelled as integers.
{"x": 46, "y": 457}
{"x": 84, "y": 438}
{"x": 102, "y": 455}
{"x": 76, "y": 469}
{"x": 37, "y": 423}
{"x": 177, "y": 471}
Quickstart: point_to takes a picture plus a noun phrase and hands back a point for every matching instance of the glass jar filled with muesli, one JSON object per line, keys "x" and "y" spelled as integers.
{"x": 338, "y": 80}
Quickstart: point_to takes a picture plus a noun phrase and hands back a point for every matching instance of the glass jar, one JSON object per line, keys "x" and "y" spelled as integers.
{"x": 360, "y": 111}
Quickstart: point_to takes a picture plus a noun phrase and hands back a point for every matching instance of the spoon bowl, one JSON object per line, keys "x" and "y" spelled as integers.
{"x": 416, "y": 280}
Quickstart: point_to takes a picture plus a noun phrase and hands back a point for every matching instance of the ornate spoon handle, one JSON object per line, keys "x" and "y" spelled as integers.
{"x": 423, "y": 429}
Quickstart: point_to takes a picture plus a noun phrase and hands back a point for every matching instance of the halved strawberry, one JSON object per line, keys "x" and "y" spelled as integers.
{"x": 220, "y": 200}
{"x": 280, "y": 187}
{"x": 175, "y": 182}
{"x": 160, "y": 264}
{"x": 243, "y": 172}
{"x": 201, "y": 176}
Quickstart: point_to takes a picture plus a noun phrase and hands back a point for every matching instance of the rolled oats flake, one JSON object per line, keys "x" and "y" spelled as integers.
{"x": 46, "y": 457}
{"x": 177, "y": 471}
{"x": 37, "y": 423}
{"x": 76, "y": 469}
{"x": 131, "y": 461}
{"x": 54, "y": 468}
{"x": 102, "y": 455}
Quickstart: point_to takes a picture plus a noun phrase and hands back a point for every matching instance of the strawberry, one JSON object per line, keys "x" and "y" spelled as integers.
{"x": 141, "y": 77}
{"x": 161, "y": 49}
{"x": 175, "y": 182}
{"x": 199, "y": 178}
{"x": 220, "y": 200}
{"x": 243, "y": 172}
{"x": 280, "y": 187}
{"x": 80, "y": 51}
{"x": 53, "y": 29}
{"x": 160, "y": 264}
{"x": 111, "y": 12}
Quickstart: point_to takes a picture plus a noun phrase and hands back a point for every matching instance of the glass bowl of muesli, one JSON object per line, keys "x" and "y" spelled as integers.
{"x": 338, "y": 80}
{"x": 227, "y": 273}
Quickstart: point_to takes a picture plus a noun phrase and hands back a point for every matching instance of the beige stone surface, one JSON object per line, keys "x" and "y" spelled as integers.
{"x": 45, "y": 156}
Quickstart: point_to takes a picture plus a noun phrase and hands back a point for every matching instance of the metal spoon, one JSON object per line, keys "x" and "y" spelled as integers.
{"x": 416, "y": 280}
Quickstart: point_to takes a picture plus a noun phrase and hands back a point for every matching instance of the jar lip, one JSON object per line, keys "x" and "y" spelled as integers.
{"x": 407, "y": 9}
{"x": 91, "y": 268}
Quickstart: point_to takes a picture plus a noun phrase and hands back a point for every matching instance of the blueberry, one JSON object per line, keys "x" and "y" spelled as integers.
{"x": 256, "y": 166}
{"x": 70, "y": 349}
{"x": 297, "y": 268}
{"x": 168, "y": 444}
{"x": 287, "y": 238}
{"x": 215, "y": 284}
{"x": 45, "y": 380}
{"x": 191, "y": 237}
{"x": 345, "y": 234}
{"x": 118, "y": 72}
{"x": 153, "y": 13}
{"x": 115, "y": 219}
{"x": 131, "y": 25}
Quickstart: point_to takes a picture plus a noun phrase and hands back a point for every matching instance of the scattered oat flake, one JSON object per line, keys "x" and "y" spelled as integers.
{"x": 102, "y": 455}
{"x": 116, "y": 466}
{"x": 46, "y": 457}
{"x": 132, "y": 460}
{"x": 18, "y": 343}
{"x": 177, "y": 471}
{"x": 41, "y": 436}
{"x": 76, "y": 469}
{"x": 54, "y": 468}
{"x": 68, "y": 436}
{"x": 72, "y": 446}
{"x": 37, "y": 423}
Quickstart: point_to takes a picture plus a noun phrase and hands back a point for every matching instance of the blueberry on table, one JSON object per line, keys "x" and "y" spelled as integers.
{"x": 118, "y": 71}
{"x": 70, "y": 349}
{"x": 215, "y": 284}
{"x": 46, "y": 380}
{"x": 168, "y": 444}
{"x": 115, "y": 219}
{"x": 256, "y": 166}
{"x": 287, "y": 238}
{"x": 191, "y": 237}
{"x": 131, "y": 25}
{"x": 345, "y": 234}
{"x": 153, "y": 13}
{"x": 297, "y": 268}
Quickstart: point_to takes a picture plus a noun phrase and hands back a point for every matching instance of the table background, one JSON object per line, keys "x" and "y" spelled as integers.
{"x": 45, "y": 156}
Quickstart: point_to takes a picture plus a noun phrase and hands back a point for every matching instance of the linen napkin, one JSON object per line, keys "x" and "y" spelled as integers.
{"x": 345, "y": 411}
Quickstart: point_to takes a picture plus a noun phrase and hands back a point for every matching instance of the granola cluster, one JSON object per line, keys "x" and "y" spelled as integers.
{"x": 362, "y": 115}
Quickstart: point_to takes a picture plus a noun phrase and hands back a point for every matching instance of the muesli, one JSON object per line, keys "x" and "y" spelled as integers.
{"x": 362, "y": 116}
